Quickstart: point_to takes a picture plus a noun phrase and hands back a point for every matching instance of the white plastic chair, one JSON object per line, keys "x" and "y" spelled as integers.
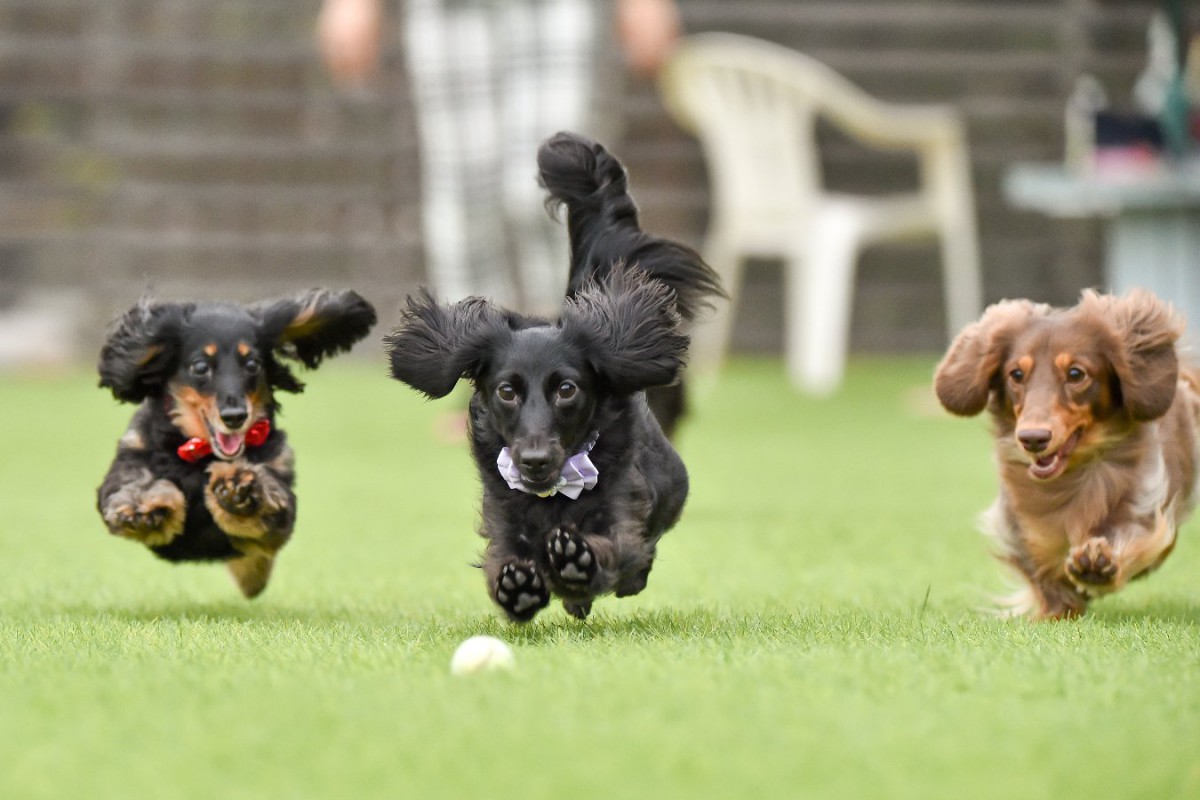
{"x": 753, "y": 105}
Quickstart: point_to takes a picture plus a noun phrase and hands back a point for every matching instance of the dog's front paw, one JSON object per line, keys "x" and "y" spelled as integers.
{"x": 249, "y": 501}
{"x": 153, "y": 517}
{"x": 521, "y": 591}
{"x": 1091, "y": 566}
{"x": 145, "y": 524}
{"x": 236, "y": 490}
{"x": 570, "y": 557}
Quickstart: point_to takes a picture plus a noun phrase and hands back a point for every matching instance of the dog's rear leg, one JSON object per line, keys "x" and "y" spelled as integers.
{"x": 254, "y": 505}
{"x": 1059, "y": 601}
{"x": 1045, "y": 595}
{"x": 251, "y": 572}
{"x": 579, "y": 609}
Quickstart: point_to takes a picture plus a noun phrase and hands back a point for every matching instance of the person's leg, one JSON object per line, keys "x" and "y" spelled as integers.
{"x": 451, "y": 56}
{"x": 547, "y": 74}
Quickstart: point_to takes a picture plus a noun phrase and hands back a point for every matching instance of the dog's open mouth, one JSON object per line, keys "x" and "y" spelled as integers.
{"x": 226, "y": 444}
{"x": 1051, "y": 465}
{"x": 540, "y": 482}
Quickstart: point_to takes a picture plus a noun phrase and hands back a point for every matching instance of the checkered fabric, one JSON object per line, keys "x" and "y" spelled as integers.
{"x": 491, "y": 80}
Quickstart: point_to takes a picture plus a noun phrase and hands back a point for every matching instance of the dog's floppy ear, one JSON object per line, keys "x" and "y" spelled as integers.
{"x": 434, "y": 345}
{"x": 1145, "y": 361}
{"x": 139, "y": 354}
{"x": 315, "y": 324}
{"x": 629, "y": 329}
{"x": 969, "y": 370}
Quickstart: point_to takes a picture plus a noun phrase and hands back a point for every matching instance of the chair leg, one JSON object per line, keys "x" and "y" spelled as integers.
{"x": 961, "y": 279}
{"x": 820, "y": 285}
{"x": 947, "y": 176}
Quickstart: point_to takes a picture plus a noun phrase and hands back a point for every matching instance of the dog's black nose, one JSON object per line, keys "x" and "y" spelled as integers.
{"x": 234, "y": 418}
{"x": 1035, "y": 439}
{"x": 534, "y": 462}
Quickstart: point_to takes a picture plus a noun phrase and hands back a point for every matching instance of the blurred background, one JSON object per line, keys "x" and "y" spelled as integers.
{"x": 200, "y": 149}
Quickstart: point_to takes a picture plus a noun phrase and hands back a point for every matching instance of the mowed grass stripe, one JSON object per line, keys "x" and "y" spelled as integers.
{"x": 812, "y": 628}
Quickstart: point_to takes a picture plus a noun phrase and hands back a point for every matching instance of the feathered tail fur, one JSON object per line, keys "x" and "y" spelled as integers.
{"x": 602, "y": 221}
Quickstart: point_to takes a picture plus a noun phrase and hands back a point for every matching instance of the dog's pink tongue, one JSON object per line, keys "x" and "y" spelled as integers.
{"x": 229, "y": 443}
{"x": 1046, "y": 466}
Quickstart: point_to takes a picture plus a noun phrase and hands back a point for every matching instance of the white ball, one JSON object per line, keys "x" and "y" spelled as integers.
{"x": 480, "y": 654}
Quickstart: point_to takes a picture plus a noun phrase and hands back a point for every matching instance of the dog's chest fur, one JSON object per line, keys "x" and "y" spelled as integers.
{"x": 201, "y": 539}
{"x": 1149, "y": 472}
{"x": 641, "y": 485}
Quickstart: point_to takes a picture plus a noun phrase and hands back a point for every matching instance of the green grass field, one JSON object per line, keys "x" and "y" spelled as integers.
{"x": 812, "y": 627}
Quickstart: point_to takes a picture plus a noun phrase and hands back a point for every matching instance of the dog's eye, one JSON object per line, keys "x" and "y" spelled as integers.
{"x": 567, "y": 390}
{"x": 1017, "y": 375}
{"x": 1076, "y": 374}
{"x": 506, "y": 393}
{"x": 252, "y": 366}
{"x": 200, "y": 368}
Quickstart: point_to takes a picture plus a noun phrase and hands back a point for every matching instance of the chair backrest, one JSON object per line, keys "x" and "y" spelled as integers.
{"x": 753, "y": 105}
{"x": 756, "y": 132}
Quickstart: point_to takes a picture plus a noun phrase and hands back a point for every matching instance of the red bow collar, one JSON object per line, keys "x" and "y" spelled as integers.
{"x": 196, "y": 448}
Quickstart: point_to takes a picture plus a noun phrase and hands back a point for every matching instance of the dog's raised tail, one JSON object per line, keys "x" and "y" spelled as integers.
{"x": 602, "y": 221}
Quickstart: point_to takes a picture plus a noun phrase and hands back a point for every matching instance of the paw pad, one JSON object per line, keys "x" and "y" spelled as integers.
{"x": 144, "y": 523}
{"x": 237, "y": 493}
{"x": 520, "y": 591}
{"x": 1092, "y": 564}
{"x": 142, "y": 520}
{"x": 572, "y": 559}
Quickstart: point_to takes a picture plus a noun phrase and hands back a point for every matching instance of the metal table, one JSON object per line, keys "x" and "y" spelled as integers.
{"x": 1152, "y": 223}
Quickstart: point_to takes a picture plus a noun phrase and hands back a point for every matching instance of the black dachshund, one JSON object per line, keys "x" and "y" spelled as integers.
{"x": 202, "y": 473}
{"x": 579, "y": 481}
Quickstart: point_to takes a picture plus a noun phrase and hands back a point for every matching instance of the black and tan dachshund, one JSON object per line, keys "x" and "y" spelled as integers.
{"x": 579, "y": 481}
{"x": 203, "y": 473}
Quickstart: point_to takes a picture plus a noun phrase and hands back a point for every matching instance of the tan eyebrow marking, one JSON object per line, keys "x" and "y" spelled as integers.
{"x": 243, "y": 348}
{"x": 151, "y": 352}
{"x": 210, "y": 349}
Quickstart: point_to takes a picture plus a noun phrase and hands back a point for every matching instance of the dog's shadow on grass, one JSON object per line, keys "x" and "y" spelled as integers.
{"x": 692, "y": 624}
{"x": 665, "y": 624}
{"x": 220, "y": 611}
{"x": 1180, "y": 611}
{"x": 598, "y": 628}
{"x": 549, "y": 629}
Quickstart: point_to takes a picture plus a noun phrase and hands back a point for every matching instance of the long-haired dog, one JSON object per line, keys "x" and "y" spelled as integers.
{"x": 579, "y": 481}
{"x": 203, "y": 472}
{"x": 1096, "y": 439}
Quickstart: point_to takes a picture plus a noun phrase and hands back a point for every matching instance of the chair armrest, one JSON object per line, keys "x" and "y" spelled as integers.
{"x": 811, "y": 84}
{"x": 891, "y": 126}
